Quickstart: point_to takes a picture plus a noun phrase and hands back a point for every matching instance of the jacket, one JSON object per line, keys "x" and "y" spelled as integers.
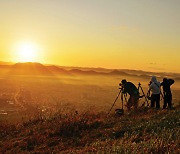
{"x": 154, "y": 86}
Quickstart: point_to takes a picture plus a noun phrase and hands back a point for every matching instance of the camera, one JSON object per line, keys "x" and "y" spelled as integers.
{"x": 150, "y": 82}
{"x": 120, "y": 86}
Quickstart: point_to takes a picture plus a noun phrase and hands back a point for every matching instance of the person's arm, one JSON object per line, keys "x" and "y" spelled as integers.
{"x": 148, "y": 93}
{"x": 150, "y": 87}
{"x": 124, "y": 89}
{"x": 171, "y": 81}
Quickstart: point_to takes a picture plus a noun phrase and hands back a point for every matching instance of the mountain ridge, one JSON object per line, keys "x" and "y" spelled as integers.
{"x": 32, "y": 68}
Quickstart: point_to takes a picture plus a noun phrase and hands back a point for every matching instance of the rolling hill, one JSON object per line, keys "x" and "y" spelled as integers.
{"x": 29, "y": 69}
{"x": 58, "y": 71}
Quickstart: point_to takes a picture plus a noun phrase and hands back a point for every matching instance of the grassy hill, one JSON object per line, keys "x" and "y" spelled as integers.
{"x": 143, "y": 131}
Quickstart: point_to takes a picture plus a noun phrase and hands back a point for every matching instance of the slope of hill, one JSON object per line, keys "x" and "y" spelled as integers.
{"x": 117, "y": 72}
{"x": 85, "y": 72}
{"x": 144, "y": 131}
{"x": 58, "y": 71}
{"x": 106, "y": 70}
{"x": 29, "y": 69}
{"x": 4, "y": 69}
{"x": 6, "y": 63}
{"x": 5, "y": 66}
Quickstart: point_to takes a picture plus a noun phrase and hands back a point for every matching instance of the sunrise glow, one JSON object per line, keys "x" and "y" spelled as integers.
{"x": 27, "y": 52}
{"x": 142, "y": 35}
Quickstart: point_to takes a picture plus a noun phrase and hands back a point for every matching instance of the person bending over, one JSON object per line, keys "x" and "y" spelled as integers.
{"x": 130, "y": 88}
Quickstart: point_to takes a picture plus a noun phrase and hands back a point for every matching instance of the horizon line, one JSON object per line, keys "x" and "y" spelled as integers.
{"x": 11, "y": 63}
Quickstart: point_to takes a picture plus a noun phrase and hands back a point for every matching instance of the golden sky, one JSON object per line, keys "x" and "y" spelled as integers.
{"x": 132, "y": 34}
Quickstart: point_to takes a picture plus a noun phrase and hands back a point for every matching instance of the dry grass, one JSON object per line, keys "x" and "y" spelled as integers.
{"x": 146, "y": 131}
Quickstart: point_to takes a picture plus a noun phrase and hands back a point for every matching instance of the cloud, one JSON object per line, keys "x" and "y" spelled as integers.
{"x": 157, "y": 68}
{"x": 152, "y": 63}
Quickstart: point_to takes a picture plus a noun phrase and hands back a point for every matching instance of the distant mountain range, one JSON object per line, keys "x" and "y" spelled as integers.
{"x": 37, "y": 69}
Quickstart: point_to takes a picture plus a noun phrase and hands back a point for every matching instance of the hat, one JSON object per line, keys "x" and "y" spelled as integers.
{"x": 123, "y": 81}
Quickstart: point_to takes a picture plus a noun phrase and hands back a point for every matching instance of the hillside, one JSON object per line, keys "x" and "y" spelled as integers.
{"x": 144, "y": 131}
{"x": 29, "y": 69}
{"x": 57, "y": 70}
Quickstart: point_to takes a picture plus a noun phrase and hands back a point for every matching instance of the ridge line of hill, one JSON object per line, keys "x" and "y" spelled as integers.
{"x": 40, "y": 69}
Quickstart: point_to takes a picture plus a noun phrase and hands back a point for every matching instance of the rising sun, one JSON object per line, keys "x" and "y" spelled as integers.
{"x": 27, "y": 52}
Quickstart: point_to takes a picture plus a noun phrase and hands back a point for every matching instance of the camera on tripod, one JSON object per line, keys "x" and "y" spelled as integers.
{"x": 123, "y": 96}
{"x": 120, "y": 86}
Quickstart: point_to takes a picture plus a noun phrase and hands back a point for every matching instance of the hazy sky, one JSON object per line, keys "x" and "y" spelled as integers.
{"x": 133, "y": 34}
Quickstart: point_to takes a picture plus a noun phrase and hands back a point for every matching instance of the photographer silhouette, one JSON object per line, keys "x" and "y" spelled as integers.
{"x": 131, "y": 89}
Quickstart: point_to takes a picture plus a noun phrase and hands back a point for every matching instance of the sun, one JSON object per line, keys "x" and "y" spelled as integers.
{"x": 27, "y": 52}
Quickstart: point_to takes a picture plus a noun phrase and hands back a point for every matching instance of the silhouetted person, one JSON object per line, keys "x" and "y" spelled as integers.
{"x": 154, "y": 87}
{"x": 130, "y": 88}
{"x": 167, "y": 92}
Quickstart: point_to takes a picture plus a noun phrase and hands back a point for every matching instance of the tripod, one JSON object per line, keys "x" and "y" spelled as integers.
{"x": 140, "y": 88}
{"x": 122, "y": 95}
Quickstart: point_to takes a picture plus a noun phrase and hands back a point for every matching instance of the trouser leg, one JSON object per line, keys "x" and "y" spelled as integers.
{"x": 158, "y": 101}
{"x": 136, "y": 100}
{"x": 129, "y": 103}
{"x": 170, "y": 101}
{"x": 152, "y": 100}
{"x": 165, "y": 101}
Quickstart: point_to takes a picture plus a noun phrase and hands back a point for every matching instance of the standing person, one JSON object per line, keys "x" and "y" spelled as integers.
{"x": 130, "y": 88}
{"x": 155, "y": 96}
{"x": 167, "y": 92}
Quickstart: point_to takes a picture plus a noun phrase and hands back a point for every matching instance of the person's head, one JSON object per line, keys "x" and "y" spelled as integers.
{"x": 165, "y": 80}
{"x": 123, "y": 81}
{"x": 153, "y": 79}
